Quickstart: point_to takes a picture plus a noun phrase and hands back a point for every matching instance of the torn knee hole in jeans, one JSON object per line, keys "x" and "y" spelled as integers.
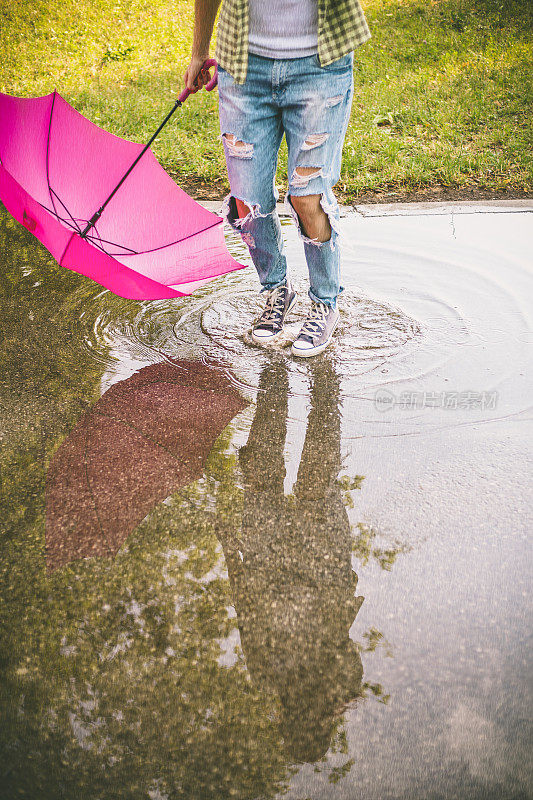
{"x": 302, "y": 175}
{"x": 229, "y": 211}
{"x": 331, "y": 209}
{"x": 236, "y": 147}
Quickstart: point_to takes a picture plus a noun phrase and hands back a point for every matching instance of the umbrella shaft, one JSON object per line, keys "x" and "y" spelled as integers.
{"x": 96, "y": 216}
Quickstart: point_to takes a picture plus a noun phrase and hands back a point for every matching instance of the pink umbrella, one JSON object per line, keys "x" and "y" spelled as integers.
{"x": 104, "y": 206}
{"x": 145, "y": 438}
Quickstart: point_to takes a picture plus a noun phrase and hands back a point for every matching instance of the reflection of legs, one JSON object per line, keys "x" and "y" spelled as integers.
{"x": 292, "y": 580}
{"x": 327, "y": 674}
{"x": 320, "y": 462}
{"x": 262, "y": 457}
{"x": 257, "y": 580}
{"x": 323, "y": 523}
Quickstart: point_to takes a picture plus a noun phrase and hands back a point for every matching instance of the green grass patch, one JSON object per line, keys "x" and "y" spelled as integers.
{"x": 443, "y": 90}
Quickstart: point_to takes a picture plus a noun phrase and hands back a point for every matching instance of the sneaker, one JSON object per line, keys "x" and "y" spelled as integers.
{"x": 279, "y": 302}
{"x": 316, "y": 331}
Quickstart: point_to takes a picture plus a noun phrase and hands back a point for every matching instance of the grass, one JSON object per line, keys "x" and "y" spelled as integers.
{"x": 443, "y": 90}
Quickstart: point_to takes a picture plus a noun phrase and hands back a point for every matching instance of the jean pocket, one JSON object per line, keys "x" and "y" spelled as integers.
{"x": 339, "y": 65}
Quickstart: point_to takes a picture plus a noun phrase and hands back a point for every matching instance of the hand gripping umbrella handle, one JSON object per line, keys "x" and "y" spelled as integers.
{"x": 209, "y": 62}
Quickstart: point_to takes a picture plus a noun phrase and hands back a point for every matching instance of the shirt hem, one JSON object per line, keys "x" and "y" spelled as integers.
{"x": 300, "y": 52}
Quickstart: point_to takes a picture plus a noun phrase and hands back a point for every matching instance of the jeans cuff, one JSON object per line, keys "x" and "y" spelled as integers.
{"x": 268, "y": 288}
{"x": 330, "y": 302}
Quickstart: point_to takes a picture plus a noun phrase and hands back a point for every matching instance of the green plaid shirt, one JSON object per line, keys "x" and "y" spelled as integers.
{"x": 341, "y": 28}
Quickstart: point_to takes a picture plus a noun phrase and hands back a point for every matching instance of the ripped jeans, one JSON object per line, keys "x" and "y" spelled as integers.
{"x": 311, "y": 105}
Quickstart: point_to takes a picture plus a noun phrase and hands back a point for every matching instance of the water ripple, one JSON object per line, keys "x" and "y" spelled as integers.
{"x": 412, "y": 317}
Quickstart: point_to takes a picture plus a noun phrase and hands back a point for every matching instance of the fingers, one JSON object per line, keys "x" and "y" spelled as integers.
{"x": 203, "y": 78}
{"x": 197, "y": 81}
{"x": 188, "y": 80}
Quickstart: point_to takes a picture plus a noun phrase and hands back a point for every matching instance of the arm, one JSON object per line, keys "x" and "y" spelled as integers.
{"x": 205, "y": 12}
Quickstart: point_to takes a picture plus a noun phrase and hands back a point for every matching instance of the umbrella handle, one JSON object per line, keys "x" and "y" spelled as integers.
{"x": 209, "y": 62}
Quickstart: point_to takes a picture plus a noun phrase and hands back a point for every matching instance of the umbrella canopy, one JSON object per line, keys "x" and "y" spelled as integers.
{"x": 146, "y": 437}
{"x": 57, "y": 169}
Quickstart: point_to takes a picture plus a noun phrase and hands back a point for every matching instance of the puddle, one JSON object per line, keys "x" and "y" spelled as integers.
{"x": 229, "y": 573}
{"x": 440, "y": 330}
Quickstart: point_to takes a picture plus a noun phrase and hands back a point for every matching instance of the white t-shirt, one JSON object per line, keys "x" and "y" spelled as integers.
{"x": 283, "y": 28}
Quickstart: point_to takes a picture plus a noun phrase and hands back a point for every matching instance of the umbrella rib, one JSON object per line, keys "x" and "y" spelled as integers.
{"x": 154, "y": 249}
{"x": 177, "y": 241}
{"x": 97, "y": 214}
{"x": 72, "y": 219}
{"x": 59, "y": 217}
{"x": 53, "y": 193}
{"x": 48, "y": 153}
{"x": 92, "y": 238}
{"x": 96, "y": 240}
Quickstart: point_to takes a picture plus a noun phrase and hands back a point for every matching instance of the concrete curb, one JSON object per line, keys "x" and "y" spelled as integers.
{"x": 458, "y": 207}
{"x": 415, "y": 209}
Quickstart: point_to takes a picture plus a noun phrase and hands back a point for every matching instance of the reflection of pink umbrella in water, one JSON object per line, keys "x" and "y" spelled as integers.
{"x": 144, "y": 438}
{"x": 69, "y": 183}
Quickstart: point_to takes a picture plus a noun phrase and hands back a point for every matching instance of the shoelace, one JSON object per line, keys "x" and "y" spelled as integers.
{"x": 274, "y": 307}
{"x": 316, "y": 321}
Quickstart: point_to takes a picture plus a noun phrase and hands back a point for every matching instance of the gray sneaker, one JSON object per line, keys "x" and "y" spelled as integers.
{"x": 279, "y": 302}
{"x": 316, "y": 331}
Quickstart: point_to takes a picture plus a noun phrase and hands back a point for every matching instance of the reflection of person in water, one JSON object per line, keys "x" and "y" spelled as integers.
{"x": 292, "y": 580}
